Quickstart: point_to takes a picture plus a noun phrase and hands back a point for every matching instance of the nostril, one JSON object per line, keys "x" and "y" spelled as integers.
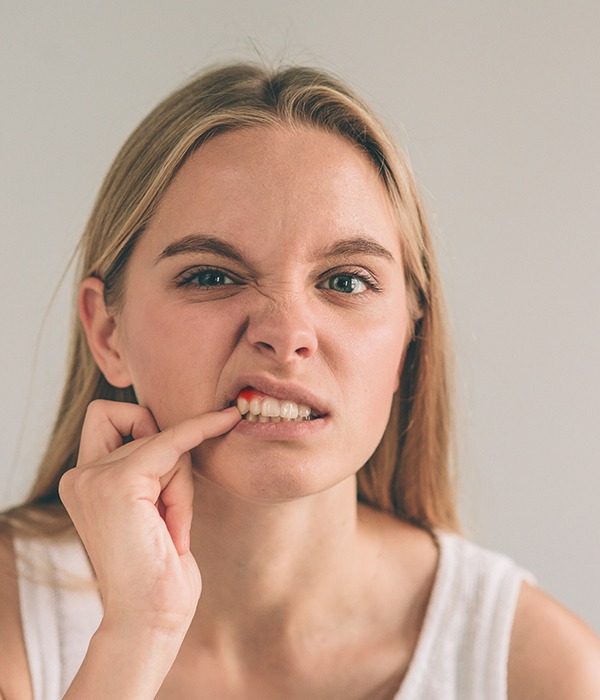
{"x": 303, "y": 352}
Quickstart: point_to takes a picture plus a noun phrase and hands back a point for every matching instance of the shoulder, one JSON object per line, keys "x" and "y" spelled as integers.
{"x": 14, "y": 671}
{"x": 553, "y": 654}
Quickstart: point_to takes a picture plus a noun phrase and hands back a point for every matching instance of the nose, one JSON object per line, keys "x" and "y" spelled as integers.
{"x": 283, "y": 330}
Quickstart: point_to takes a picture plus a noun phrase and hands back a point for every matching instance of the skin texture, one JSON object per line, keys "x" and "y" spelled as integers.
{"x": 303, "y": 592}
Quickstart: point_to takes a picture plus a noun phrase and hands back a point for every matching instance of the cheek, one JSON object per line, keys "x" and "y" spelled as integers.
{"x": 378, "y": 354}
{"x": 373, "y": 379}
{"x": 174, "y": 356}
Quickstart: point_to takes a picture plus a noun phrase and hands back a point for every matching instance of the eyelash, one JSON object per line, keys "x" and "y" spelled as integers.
{"x": 356, "y": 273}
{"x": 186, "y": 278}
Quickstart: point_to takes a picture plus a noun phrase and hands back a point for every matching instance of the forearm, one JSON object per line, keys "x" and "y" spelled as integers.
{"x": 124, "y": 666}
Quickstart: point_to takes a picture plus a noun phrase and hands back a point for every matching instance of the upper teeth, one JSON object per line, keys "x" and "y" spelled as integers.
{"x": 269, "y": 407}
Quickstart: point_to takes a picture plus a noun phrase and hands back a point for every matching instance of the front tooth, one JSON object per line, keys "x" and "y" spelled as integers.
{"x": 288, "y": 410}
{"x": 264, "y": 419}
{"x": 270, "y": 407}
{"x": 243, "y": 405}
{"x": 254, "y": 406}
{"x": 252, "y": 418}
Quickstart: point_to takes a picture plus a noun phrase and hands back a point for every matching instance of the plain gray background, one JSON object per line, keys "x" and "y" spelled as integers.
{"x": 498, "y": 105}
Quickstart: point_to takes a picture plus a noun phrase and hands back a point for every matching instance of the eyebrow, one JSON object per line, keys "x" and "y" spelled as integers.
{"x": 204, "y": 243}
{"x": 357, "y": 245}
{"x": 201, "y": 243}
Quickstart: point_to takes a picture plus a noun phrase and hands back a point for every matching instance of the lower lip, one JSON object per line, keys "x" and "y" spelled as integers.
{"x": 283, "y": 430}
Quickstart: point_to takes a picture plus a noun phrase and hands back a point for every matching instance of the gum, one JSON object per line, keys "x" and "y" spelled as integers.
{"x": 250, "y": 394}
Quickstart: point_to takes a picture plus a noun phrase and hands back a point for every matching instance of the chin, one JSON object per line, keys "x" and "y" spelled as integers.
{"x": 272, "y": 480}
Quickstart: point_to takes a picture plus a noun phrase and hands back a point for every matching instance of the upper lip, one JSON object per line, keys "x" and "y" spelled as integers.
{"x": 279, "y": 390}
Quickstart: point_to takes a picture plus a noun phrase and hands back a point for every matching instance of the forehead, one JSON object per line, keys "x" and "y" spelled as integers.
{"x": 291, "y": 186}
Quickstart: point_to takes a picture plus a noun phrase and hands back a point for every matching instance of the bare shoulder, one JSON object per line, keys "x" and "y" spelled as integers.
{"x": 14, "y": 671}
{"x": 553, "y": 654}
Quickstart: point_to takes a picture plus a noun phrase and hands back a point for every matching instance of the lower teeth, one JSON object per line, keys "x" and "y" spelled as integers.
{"x": 251, "y": 418}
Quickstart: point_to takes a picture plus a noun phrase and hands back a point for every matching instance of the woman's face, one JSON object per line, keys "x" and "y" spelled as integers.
{"x": 273, "y": 263}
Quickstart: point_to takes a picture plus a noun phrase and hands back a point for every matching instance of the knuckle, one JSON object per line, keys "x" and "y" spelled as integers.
{"x": 65, "y": 484}
{"x": 97, "y": 482}
{"x": 75, "y": 485}
{"x": 70, "y": 484}
{"x": 96, "y": 406}
{"x": 143, "y": 410}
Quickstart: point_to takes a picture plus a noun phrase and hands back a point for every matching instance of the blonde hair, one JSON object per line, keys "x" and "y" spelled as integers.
{"x": 409, "y": 473}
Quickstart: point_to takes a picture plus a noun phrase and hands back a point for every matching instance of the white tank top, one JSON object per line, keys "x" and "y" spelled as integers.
{"x": 462, "y": 652}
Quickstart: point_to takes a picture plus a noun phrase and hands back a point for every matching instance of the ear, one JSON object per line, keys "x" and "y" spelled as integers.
{"x": 102, "y": 334}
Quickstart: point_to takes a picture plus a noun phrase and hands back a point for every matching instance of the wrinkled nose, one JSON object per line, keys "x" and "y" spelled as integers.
{"x": 284, "y": 331}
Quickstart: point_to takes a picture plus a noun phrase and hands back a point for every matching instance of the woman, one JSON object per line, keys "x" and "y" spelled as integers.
{"x": 258, "y": 393}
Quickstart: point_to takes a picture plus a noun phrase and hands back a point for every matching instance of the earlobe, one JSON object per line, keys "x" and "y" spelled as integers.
{"x": 101, "y": 332}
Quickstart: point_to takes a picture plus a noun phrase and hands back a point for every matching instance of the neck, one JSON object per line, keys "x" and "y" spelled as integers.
{"x": 275, "y": 562}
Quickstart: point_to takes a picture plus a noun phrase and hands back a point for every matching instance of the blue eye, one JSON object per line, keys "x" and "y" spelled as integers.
{"x": 206, "y": 277}
{"x": 212, "y": 278}
{"x": 346, "y": 284}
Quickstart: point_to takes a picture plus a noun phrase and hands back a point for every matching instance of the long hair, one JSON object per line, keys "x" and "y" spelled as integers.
{"x": 409, "y": 474}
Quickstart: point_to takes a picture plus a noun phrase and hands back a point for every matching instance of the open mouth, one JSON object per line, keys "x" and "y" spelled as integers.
{"x": 257, "y": 407}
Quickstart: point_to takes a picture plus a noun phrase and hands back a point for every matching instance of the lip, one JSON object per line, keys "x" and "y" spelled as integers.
{"x": 284, "y": 430}
{"x": 281, "y": 391}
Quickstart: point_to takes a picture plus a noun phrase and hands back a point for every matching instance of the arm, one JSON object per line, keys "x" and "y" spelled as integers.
{"x": 553, "y": 654}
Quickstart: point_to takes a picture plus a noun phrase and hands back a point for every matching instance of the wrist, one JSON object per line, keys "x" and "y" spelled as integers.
{"x": 156, "y": 635}
{"x": 125, "y": 662}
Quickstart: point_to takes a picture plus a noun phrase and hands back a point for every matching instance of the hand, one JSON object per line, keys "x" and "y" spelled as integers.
{"x": 132, "y": 507}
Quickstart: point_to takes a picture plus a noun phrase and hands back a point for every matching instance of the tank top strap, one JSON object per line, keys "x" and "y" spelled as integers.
{"x": 462, "y": 652}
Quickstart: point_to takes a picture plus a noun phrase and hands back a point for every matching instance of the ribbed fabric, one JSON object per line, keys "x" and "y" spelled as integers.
{"x": 462, "y": 652}
{"x": 60, "y": 611}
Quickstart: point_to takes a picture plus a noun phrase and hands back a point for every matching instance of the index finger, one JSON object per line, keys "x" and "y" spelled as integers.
{"x": 160, "y": 453}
